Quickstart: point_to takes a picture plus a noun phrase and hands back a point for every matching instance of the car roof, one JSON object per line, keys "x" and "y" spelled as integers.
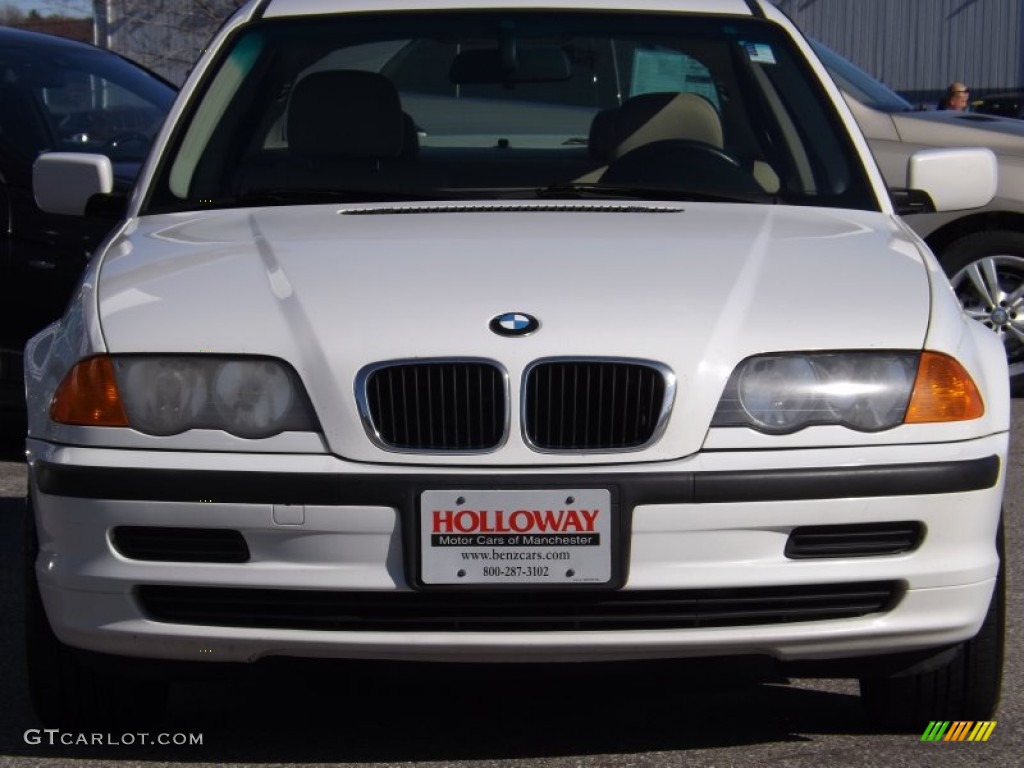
{"x": 13, "y": 37}
{"x": 1000, "y": 95}
{"x": 38, "y": 43}
{"x": 312, "y": 7}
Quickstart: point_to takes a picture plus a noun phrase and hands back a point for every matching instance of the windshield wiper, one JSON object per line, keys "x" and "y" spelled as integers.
{"x": 302, "y": 196}
{"x": 583, "y": 190}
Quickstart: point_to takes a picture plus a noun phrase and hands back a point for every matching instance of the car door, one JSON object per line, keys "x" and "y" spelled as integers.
{"x": 8, "y": 362}
{"x": 45, "y": 254}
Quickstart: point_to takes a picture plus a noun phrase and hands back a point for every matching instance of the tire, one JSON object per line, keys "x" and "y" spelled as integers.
{"x": 68, "y": 692}
{"x": 967, "y": 687}
{"x": 986, "y": 268}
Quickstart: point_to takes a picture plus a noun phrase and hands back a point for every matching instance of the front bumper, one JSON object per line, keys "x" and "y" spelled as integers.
{"x": 713, "y": 525}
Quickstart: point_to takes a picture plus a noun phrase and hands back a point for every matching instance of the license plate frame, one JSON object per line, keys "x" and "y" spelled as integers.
{"x": 516, "y": 537}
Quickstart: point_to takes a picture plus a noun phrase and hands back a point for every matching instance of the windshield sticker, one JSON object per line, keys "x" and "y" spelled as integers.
{"x": 657, "y": 71}
{"x": 759, "y": 53}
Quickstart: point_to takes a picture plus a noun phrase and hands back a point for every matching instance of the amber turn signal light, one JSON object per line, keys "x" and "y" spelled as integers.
{"x": 943, "y": 391}
{"x": 88, "y": 396}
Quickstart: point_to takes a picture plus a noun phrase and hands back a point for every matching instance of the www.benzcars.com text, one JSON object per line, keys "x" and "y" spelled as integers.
{"x": 498, "y": 555}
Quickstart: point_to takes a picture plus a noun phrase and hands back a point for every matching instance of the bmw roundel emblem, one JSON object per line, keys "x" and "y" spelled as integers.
{"x": 514, "y": 324}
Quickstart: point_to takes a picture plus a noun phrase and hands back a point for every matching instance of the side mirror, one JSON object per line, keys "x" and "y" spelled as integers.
{"x": 953, "y": 179}
{"x": 64, "y": 182}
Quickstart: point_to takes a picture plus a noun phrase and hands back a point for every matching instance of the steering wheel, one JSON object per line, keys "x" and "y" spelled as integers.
{"x": 691, "y": 164}
{"x": 127, "y": 144}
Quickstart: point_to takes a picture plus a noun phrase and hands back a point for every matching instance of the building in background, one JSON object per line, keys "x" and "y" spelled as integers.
{"x": 918, "y": 47}
{"x": 74, "y": 29}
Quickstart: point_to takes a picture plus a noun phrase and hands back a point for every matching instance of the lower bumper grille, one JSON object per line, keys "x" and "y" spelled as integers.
{"x": 512, "y": 611}
{"x": 180, "y": 545}
{"x": 854, "y": 540}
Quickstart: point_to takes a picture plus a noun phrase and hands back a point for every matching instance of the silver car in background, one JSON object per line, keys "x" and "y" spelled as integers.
{"x": 981, "y": 250}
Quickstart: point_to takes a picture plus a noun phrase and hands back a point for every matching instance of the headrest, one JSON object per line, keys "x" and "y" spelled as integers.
{"x": 345, "y": 113}
{"x": 410, "y": 137}
{"x": 603, "y": 136}
{"x": 658, "y": 116}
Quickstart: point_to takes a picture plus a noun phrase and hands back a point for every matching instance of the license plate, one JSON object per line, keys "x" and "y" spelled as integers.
{"x": 516, "y": 536}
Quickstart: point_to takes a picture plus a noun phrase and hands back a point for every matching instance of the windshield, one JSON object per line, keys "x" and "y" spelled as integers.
{"x": 858, "y": 83}
{"x": 507, "y": 105}
{"x": 79, "y": 100}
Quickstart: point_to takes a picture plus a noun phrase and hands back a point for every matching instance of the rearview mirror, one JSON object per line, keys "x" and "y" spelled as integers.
{"x": 526, "y": 65}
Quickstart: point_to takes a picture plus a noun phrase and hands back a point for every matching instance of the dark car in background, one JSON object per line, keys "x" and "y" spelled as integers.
{"x": 59, "y": 95}
{"x": 1004, "y": 104}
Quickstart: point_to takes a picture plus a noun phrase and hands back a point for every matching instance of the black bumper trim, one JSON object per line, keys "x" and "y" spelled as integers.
{"x": 396, "y": 490}
{"x": 513, "y": 611}
{"x": 847, "y": 482}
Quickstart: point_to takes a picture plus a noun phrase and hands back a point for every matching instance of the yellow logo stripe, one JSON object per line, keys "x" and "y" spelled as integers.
{"x": 982, "y": 730}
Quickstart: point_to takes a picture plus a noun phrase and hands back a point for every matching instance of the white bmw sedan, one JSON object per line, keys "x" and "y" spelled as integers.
{"x": 534, "y": 331}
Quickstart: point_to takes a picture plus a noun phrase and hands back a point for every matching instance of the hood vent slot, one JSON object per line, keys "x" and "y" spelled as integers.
{"x": 414, "y": 209}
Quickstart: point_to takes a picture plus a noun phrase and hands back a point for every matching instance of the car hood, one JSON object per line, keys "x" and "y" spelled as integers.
{"x": 946, "y": 128}
{"x": 695, "y": 287}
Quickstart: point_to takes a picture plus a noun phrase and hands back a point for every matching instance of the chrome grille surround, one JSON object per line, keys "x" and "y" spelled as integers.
{"x": 653, "y": 408}
{"x": 425, "y": 411}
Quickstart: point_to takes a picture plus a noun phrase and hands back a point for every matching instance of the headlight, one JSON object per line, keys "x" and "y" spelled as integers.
{"x": 249, "y": 397}
{"x": 163, "y": 396}
{"x": 170, "y": 394}
{"x": 777, "y": 392}
{"x": 866, "y": 391}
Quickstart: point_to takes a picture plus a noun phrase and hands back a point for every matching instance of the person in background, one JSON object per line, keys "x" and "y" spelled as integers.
{"x": 956, "y": 97}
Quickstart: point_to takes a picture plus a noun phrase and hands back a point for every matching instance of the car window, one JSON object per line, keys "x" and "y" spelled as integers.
{"x": 858, "y": 83}
{"x": 1004, "y": 106}
{"x": 93, "y": 113}
{"x": 495, "y": 105}
{"x": 79, "y": 101}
